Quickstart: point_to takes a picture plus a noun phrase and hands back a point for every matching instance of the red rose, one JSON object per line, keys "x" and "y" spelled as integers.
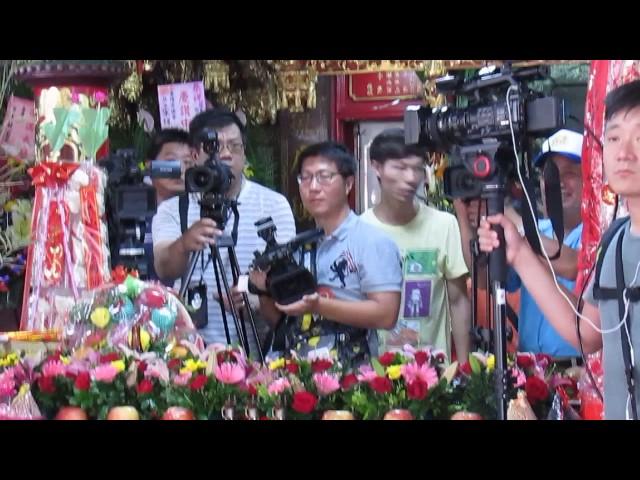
{"x": 381, "y": 385}
{"x": 387, "y": 359}
{"x": 145, "y": 386}
{"x": 46, "y": 384}
{"x": 304, "y": 402}
{"x": 348, "y": 381}
{"x": 70, "y": 375}
{"x": 109, "y": 357}
{"x": 421, "y": 357}
{"x": 83, "y": 381}
{"x": 198, "y": 382}
{"x": 292, "y": 367}
{"x": 251, "y": 389}
{"x": 417, "y": 390}
{"x": 537, "y": 390}
{"x": 319, "y": 366}
{"x": 142, "y": 366}
{"x": 524, "y": 361}
{"x": 465, "y": 368}
{"x": 174, "y": 364}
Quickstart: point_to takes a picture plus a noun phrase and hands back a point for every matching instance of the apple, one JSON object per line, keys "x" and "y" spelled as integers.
{"x": 337, "y": 415}
{"x": 178, "y": 413}
{"x": 71, "y": 413}
{"x": 123, "y": 413}
{"x": 466, "y": 416}
{"x": 398, "y": 414}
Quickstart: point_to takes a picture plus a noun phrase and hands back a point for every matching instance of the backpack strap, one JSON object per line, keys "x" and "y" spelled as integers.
{"x": 600, "y": 293}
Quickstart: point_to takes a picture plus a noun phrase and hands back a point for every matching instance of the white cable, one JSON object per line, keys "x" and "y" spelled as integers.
{"x": 544, "y": 252}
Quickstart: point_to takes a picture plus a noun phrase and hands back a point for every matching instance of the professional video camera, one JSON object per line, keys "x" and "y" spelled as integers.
{"x": 502, "y": 118}
{"x": 287, "y": 281}
{"x": 212, "y": 180}
{"x": 479, "y": 136}
{"x": 131, "y": 203}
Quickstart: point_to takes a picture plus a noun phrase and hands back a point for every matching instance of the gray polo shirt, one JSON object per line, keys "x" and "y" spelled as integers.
{"x": 615, "y": 383}
{"x": 356, "y": 259}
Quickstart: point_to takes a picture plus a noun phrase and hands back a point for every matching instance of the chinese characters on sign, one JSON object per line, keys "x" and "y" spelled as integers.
{"x": 179, "y": 103}
{"x": 17, "y": 136}
{"x": 385, "y": 86}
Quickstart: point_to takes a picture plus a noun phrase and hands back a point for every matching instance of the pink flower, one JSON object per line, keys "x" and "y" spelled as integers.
{"x": 366, "y": 373}
{"x": 326, "y": 383}
{"x": 75, "y": 97}
{"x": 412, "y": 371}
{"x": 7, "y": 383}
{"x": 53, "y": 369}
{"x": 229, "y": 373}
{"x": 519, "y": 376}
{"x": 100, "y": 97}
{"x": 104, "y": 373}
{"x": 278, "y": 386}
{"x": 157, "y": 369}
{"x": 183, "y": 379}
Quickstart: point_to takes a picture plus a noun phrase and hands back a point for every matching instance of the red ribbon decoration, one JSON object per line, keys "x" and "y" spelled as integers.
{"x": 92, "y": 234}
{"x": 53, "y": 249}
{"x": 52, "y": 174}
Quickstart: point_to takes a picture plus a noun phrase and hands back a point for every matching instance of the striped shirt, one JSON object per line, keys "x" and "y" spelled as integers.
{"x": 254, "y": 202}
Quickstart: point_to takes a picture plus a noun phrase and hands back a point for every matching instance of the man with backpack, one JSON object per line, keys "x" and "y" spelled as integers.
{"x": 611, "y": 315}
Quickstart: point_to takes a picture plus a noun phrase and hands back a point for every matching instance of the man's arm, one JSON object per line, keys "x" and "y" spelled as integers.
{"x": 566, "y": 265}
{"x": 171, "y": 249}
{"x": 378, "y": 311}
{"x": 540, "y": 283}
{"x": 460, "y": 315}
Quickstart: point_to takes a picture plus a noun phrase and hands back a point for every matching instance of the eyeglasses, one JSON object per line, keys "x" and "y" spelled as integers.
{"x": 233, "y": 147}
{"x": 323, "y": 177}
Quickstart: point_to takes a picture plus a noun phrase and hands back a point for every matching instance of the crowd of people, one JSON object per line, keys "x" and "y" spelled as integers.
{"x": 397, "y": 274}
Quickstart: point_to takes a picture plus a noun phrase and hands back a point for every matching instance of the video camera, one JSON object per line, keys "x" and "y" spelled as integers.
{"x": 131, "y": 203}
{"x": 478, "y": 137}
{"x": 212, "y": 180}
{"x": 287, "y": 281}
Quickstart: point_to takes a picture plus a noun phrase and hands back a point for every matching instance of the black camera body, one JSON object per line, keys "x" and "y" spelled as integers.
{"x": 478, "y": 137}
{"x": 131, "y": 203}
{"x": 287, "y": 282}
{"x": 212, "y": 180}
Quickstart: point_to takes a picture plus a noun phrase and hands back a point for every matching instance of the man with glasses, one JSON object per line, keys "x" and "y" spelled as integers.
{"x": 358, "y": 268}
{"x": 435, "y": 306}
{"x": 172, "y": 247}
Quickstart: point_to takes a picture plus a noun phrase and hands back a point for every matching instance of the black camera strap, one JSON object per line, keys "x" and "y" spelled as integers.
{"x": 553, "y": 202}
{"x": 183, "y": 210}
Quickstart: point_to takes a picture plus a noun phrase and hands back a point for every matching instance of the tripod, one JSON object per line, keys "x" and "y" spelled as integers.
{"x": 219, "y": 213}
{"x": 493, "y": 193}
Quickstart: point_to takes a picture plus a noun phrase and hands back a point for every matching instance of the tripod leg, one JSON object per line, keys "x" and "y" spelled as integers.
{"x": 235, "y": 270}
{"x": 190, "y": 269}
{"x": 234, "y": 313}
{"x": 235, "y": 273}
{"x": 221, "y": 303}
